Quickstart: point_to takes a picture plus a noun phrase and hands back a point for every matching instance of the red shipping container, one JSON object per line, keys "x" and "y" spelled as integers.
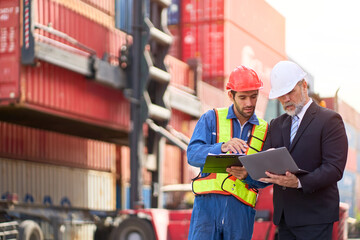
{"x": 211, "y": 41}
{"x": 250, "y": 52}
{"x": 172, "y": 165}
{"x": 80, "y": 22}
{"x": 175, "y": 48}
{"x": 9, "y": 49}
{"x": 125, "y": 168}
{"x": 202, "y": 10}
{"x": 210, "y": 96}
{"x": 26, "y": 143}
{"x": 191, "y": 11}
{"x": 180, "y": 121}
{"x": 213, "y": 10}
{"x": 190, "y": 41}
{"x": 182, "y": 76}
{"x": 189, "y": 171}
{"x": 54, "y": 92}
{"x": 107, "y": 6}
{"x": 259, "y": 20}
{"x": 351, "y": 164}
{"x": 348, "y": 113}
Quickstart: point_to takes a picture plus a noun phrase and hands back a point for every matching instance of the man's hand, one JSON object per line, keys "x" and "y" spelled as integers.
{"x": 287, "y": 180}
{"x": 234, "y": 145}
{"x": 238, "y": 172}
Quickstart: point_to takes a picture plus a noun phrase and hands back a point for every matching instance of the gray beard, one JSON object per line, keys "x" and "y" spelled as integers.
{"x": 298, "y": 107}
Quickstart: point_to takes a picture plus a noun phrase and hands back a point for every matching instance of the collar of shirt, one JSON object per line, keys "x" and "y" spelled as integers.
{"x": 253, "y": 119}
{"x": 303, "y": 110}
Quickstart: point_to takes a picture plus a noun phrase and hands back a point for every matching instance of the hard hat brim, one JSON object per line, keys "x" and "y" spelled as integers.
{"x": 287, "y": 89}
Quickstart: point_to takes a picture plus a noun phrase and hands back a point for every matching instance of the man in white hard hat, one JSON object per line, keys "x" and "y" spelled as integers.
{"x": 306, "y": 205}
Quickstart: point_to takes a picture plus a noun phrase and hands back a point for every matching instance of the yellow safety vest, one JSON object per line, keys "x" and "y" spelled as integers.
{"x": 226, "y": 184}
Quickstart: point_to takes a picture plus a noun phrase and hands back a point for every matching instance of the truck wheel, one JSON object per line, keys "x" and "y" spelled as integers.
{"x": 133, "y": 228}
{"x": 30, "y": 230}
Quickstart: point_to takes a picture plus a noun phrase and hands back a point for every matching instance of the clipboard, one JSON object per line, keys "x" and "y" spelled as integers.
{"x": 218, "y": 163}
{"x": 276, "y": 161}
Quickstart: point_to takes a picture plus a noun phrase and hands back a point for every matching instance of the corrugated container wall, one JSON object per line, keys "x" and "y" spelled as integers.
{"x": 55, "y": 90}
{"x": 49, "y": 147}
{"x": 175, "y": 48}
{"x": 210, "y": 27}
{"x": 347, "y": 190}
{"x": 172, "y": 165}
{"x": 174, "y": 12}
{"x": 181, "y": 75}
{"x": 58, "y": 186}
{"x": 9, "y": 50}
{"x": 106, "y": 6}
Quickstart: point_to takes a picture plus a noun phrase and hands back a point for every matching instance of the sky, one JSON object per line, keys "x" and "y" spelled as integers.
{"x": 323, "y": 36}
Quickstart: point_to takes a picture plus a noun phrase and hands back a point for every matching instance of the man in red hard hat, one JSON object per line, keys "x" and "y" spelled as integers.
{"x": 224, "y": 202}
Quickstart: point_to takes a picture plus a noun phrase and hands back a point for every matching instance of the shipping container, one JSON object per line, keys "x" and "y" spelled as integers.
{"x": 107, "y": 6}
{"x": 182, "y": 76}
{"x": 349, "y": 114}
{"x": 259, "y": 20}
{"x": 212, "y": 49}
{"x": 146, "y": 196}
{"x": 123, "y": 15}
{"x": 71, "y": 230}
{"x": 189, "y": 171}
{"x": 32, "y": 144}
{"x": 180, "y": 122}
{"x": 9, "y": 49}
{"x": 175, "y": 48}
{"x": 250, "y": 52}
{"x": 211, "y": 97}
{"x": 351, "y": 163}
{"x": 172, "y": 165}
{"x": 125, "y": 168}
{"x": 216, "y": 42}
{"x": 357, "y": 192}
{"x": 347, "y": 190}
{"x": 191, "y": 11}
{"x": 174, "y": 12}
{"x": 93, "y": 12}
{"x": 351, "y": 134}
{"x": 57, "y": 186}
{"x": 190, "y": 41}
{"x": 251, "y": 16}
{"x": 51, "y": 97}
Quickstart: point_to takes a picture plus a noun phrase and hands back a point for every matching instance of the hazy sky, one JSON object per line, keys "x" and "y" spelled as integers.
{"x": 323, "y": 36}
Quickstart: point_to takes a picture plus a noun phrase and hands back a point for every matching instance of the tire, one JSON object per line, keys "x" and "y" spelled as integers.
{"x": 30, "y": 230}
{"x": 133, "y": 228}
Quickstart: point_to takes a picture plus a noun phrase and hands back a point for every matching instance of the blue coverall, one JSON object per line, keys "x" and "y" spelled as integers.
{"x": 217, "y": 216}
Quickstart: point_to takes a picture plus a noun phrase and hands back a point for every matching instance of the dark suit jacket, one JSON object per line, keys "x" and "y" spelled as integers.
{"x": 320, "y": 147}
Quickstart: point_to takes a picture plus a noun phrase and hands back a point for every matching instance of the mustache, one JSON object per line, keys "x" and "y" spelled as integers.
{"x": 288, "y": 104}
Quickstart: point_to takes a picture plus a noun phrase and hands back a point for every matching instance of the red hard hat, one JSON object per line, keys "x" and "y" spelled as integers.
{"x": 243, "y": 79}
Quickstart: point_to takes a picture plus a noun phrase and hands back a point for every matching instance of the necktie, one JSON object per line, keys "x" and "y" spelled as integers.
{"x": 294, "y": 127}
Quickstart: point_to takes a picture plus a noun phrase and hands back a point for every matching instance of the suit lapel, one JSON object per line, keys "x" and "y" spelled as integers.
{"x": 308, "y": 117}
{"x": 286, "y": 131}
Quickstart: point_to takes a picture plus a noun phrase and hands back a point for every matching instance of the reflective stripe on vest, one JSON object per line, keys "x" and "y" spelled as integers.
{"x": 226, "y": 184}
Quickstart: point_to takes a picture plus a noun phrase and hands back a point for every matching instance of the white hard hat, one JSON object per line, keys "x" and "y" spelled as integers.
{"x": 284, "y": 76}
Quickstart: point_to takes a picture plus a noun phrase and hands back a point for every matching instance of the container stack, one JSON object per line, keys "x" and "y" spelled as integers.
{"x": 224, "y": 34}
{"x": 40, "y": 164}
{"x": 349, "y": 185}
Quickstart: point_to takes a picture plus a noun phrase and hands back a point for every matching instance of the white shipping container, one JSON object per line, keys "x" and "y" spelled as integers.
{"x": 84, "y": 231}
{"x": 56, "y": 185}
